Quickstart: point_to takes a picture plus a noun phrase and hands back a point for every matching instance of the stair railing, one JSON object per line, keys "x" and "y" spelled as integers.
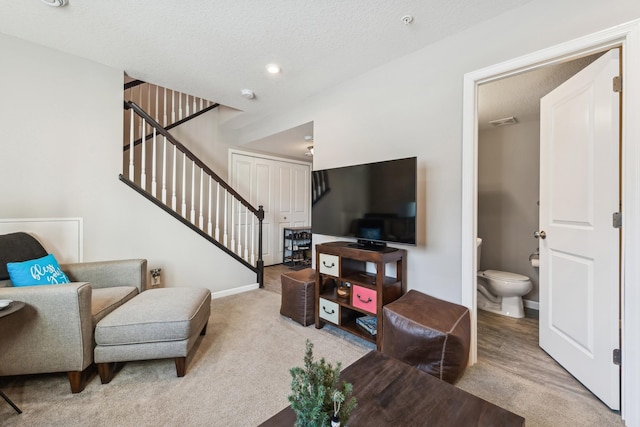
{"x": 207, "y": 203}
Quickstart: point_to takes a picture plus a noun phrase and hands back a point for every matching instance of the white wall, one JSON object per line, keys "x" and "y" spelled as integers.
{"x": 413, "y": 107}
{"x": 508, "y": 193}
{"x": 61, "y": 156}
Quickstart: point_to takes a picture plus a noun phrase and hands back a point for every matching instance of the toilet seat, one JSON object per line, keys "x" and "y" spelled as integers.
{"x": 505, "y": 276}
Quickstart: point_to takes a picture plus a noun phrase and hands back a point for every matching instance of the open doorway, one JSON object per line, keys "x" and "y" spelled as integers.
{"x": 509, "y": 166}
{"x": 508, "y": 215}
{"x": 625, "y": 36}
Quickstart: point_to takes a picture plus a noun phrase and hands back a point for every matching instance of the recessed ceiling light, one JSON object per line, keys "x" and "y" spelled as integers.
{"x": 273, "y": 68}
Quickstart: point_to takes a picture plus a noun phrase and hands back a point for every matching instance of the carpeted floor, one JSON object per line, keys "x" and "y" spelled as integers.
{"x": 239, "y": 376}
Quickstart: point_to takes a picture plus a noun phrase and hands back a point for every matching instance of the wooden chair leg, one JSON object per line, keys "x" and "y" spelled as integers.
{"x": 106, "y": 370}
{"x": 181, "y": 366}
{"x": 78, "y": 380}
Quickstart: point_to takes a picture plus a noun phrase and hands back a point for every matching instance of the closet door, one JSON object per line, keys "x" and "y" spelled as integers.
{"x": 293, "y": 198}
{"x": 282, "y": 187}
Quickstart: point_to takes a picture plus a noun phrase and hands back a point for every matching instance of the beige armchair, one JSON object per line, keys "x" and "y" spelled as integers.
{"x": 54, "y": 331}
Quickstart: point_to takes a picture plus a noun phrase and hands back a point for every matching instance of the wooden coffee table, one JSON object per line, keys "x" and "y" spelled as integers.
{"x": 392, "y": 393}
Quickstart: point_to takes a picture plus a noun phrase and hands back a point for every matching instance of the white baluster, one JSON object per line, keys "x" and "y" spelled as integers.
{"x": 173, "y": 106}
{"x": 174, "y": 198}
{"x": 164, "y": 118}
{"x": 164, "y": 150}
{"x": 131, "y": 143}
{"x": 225, "y": 219}
{"x": 239, "y": 248}
{"x": 141, "y": 130}
{"x": 154, "y": 185}
{"x": 143, "y": 166}
{"x": 127, "y": 120}
{"x": 253, "y": 239}
{"x": 201, "y": 216}
{"x": 209, "y": 224}
{"x": 194, "y": 105}
{"x": 217, "y": 234}
{"x": 187, "y": 105}
{"x": 201, "y": 105}
{"x": 164, "y": 170}
{"x": 232, "y": 225}
{"x": 157, "y": 112}
{"x": 183, "y": 211}
{"x": 246, "y": 233}
{"x": 179, "y": 105}
{"x": 192, "y": 213}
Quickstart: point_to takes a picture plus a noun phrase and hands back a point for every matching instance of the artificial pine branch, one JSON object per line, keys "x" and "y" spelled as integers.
{"x": 315, "y": 395}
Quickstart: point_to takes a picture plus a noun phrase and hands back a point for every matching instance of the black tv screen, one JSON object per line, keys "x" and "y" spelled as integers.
{"x": 373, "y": 202}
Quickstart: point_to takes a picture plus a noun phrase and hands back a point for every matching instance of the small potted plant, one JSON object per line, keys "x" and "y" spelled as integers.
{"x": 316, "y": 397}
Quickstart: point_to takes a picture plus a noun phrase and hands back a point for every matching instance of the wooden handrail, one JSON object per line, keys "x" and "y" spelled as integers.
{"x": 133, "y": 83}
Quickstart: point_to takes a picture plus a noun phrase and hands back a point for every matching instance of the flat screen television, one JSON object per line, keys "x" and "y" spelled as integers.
{"x": 374, "y": 203}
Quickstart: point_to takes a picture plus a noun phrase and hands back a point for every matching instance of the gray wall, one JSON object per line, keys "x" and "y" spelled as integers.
{"x": 508, "y": 192}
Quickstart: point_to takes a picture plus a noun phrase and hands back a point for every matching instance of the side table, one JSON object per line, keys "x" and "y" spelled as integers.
{"x": 10, "y": 309}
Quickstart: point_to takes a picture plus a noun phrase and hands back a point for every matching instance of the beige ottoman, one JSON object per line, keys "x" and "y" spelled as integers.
{"x": 157, "y": 324}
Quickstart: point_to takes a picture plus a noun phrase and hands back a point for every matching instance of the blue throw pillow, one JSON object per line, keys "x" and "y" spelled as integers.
{"x": 41, "y": 271}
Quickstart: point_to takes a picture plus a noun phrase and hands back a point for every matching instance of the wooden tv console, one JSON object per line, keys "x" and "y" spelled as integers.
{"x": 371, "y": 281}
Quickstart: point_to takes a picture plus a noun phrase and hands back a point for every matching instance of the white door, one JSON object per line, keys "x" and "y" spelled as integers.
{"x": 283, "y": 189}
{"x": 294, "y": 199}
{"x": 579, "y": 258}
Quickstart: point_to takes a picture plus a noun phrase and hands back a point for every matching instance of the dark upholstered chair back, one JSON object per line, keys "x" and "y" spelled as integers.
{"x": 18, "y": 247}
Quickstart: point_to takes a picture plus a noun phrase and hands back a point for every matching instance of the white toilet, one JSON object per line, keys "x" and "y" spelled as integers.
{"x": 501, "y": 292}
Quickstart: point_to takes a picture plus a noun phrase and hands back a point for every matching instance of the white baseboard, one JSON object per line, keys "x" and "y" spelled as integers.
{"x": 535, "y": 305}
{"x": 234, "y": 291}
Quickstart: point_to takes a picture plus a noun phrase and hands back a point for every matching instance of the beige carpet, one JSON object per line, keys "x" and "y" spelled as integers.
{"x": 239, "y": 376}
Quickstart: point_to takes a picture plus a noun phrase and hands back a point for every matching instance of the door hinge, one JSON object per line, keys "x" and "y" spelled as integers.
{"x": 617, "y": 220}
{"x": 617, "y": 84}
{"x": 617, "y": 356}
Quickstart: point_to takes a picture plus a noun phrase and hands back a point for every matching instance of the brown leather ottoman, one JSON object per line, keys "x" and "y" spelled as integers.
{"x": 298, "y": 295}
{"x": 428, "y": 333}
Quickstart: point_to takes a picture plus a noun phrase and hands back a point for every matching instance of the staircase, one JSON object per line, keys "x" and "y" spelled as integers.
{"x": 163, "y": 170}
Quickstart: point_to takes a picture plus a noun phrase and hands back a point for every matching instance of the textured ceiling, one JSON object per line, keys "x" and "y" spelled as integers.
{"x": 215, "y": 48}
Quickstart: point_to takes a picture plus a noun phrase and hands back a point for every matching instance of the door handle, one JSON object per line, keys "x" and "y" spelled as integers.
{"x": 540, "y": 234}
